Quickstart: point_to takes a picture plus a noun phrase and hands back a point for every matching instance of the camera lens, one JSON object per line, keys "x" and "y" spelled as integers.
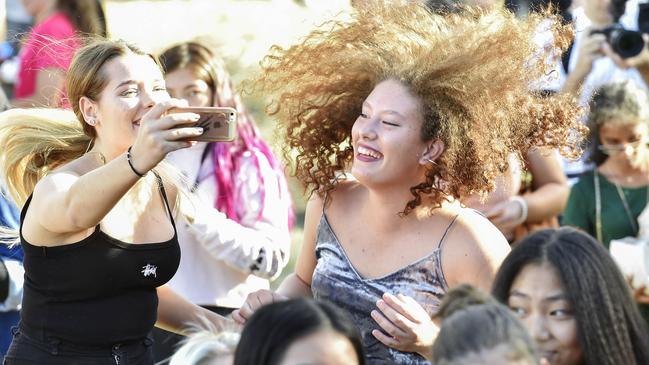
{"x": 626, "y": 43}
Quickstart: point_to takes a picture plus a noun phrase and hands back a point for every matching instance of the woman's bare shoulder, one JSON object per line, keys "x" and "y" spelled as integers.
{"x": 65, "y": 175}
{"x": 345, "y": 186}
{"x": 474, "y": 230}
{"x": 474, "y": 251}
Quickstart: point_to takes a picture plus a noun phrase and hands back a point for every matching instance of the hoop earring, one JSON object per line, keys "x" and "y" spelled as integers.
{"x": 431, "y": 161}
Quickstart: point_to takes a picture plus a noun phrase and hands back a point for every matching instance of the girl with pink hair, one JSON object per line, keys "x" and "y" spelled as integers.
{"x": 235, "y": 249}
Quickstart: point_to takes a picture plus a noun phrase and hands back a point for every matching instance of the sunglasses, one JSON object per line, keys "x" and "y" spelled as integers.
{"x": 612, "y": 149}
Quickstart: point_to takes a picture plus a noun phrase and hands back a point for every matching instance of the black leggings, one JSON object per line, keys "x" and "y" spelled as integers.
{"x": 27, "y": 351}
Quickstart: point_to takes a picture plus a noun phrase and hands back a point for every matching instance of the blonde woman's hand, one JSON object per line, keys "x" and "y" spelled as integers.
{"x": 160, "y": 133}
{"x": 253, "y": 302}
{"x": 405, "y": 325}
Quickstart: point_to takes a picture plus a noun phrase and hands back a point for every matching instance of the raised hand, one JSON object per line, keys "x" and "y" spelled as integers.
{"x": 641, "y": 60}
{"x": 507, "y": 215}
{"x": 405, "y": 325}
{"x": 161, "y": 133}
{"x": 591, "y": 49}
{"x": 639, "y": 293}
{"x": 255, "y": 301}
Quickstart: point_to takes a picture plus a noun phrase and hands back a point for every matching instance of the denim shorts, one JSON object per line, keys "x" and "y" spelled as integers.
{"x": 28, "y": 351}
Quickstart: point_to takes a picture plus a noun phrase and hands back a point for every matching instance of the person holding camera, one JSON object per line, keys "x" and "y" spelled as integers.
{"x": 599, "y": 55}
{"x": 605, "y": 49}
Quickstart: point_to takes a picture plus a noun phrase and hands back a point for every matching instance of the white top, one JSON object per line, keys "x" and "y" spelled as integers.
{"x": 219, "y": 255}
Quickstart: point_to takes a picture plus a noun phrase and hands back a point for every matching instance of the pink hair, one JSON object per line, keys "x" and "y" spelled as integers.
{"x": 225, "y": 156}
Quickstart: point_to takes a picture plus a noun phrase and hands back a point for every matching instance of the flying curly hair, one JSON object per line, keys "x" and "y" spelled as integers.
{"x": 472, "y": 71}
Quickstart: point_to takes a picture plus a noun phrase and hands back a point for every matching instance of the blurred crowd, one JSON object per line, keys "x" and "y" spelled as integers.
{"x": 477, "y": 177}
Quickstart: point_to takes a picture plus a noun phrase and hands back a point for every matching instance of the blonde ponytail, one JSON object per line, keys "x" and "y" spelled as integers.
{"x": 35, "y": 141}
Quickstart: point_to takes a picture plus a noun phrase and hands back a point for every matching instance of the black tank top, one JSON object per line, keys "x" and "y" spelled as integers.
{"x": 98, "y": 291}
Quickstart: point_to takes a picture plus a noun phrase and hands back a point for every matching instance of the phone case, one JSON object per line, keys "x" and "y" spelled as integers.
{"x": 219, "y": 123}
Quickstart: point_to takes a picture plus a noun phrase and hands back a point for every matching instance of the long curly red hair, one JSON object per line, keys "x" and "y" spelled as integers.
{"x": 472, "y": 71}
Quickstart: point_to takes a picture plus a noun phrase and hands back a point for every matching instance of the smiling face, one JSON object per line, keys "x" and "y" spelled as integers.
{"x": 538, "y": 298}
{"x": 386, "y": 137}
{"x": 135, "y": 84}
{"x": 184, "y": 84}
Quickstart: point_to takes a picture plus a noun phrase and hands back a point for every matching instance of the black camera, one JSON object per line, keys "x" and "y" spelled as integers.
{"x": 626, "y": 43}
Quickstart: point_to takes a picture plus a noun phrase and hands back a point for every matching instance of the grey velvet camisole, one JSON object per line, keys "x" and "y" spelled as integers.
{"x": 336, "y": 280}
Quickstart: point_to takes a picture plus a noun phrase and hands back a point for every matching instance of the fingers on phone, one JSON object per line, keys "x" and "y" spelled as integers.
{"x": 178, "y": 134}
{"x": 178, "y": 119}
{"x": 158, "y": 110}
{"x": 177, "y": 145}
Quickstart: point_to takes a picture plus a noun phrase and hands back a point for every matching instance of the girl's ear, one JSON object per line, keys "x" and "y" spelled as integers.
{"x": 88, "y": 109}
{"x": 432, "y": 152}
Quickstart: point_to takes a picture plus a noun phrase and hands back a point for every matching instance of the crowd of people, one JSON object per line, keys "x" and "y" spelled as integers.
{"x": 442, "y": 145}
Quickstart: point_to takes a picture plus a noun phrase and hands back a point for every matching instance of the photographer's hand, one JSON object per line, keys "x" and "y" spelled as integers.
{"x": 590, "y": 50}
{"x": 639, "y": 62}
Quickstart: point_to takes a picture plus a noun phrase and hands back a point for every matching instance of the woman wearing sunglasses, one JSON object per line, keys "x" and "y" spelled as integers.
{"x": 607, "y": 201}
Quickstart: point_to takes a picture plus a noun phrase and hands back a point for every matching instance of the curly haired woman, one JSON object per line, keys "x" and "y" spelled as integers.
{"x": 404, "y": 112}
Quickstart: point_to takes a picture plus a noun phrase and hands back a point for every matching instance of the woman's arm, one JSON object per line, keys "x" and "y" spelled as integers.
{"x": 262, "y": 251}
{"x": 70, "y": 202}
{"x": 260, "y": 243}
{"x": 551, "y": 189}
{"x": 298, "y": 284}
{"x": 473, "y": 252}
{"x": 547, "y": 199}
{"x": 176, "y": 314}
{"x": 589, "y": 51}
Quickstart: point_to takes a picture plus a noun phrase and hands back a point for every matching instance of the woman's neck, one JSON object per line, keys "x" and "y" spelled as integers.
{"x": 106, "y": 152}
{"x": 386, "y": 205}
{"x": 626, "y": 175}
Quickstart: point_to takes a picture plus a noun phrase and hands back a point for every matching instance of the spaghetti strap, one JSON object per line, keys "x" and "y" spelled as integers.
{"x": 441, "y": 241}
{"x": 324, "y": 202}
{"x": 325, "y": 199}
{"x": 161, "y": 187}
